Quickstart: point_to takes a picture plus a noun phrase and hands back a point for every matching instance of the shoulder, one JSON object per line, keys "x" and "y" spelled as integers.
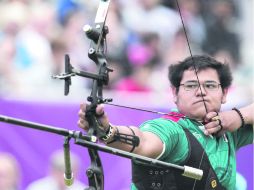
{"x": 168, "y": 131}
{"x": 160, "y": 124}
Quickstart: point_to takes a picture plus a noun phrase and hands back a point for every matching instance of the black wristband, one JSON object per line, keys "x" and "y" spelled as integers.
{"x": 133, "y": 146}
{"x": 241, "y": 116}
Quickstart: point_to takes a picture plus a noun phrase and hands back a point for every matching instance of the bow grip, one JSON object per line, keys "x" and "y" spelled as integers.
{"x": 95, "y": 126}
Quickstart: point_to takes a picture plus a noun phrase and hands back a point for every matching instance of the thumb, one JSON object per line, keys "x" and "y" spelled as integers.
{"x": 100, "y": 111}
{"x": 102, "y": 116}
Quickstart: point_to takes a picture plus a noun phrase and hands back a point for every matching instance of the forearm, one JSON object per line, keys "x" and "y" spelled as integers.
{"x": 130, "y": 131}
{"x": 144, "y": 148}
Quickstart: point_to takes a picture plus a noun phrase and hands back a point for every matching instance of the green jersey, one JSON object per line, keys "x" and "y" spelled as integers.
{"x": 220, "y": 151}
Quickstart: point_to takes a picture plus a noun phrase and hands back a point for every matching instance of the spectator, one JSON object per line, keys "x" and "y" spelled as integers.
{"x": 55, "y": 178}
{"x": 221, "y": 30}
{"x": 9, "y": 172}
{"x": 151, "y": 16}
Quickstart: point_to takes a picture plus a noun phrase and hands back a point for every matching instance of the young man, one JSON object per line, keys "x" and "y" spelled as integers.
{"x": 194, "y": 134}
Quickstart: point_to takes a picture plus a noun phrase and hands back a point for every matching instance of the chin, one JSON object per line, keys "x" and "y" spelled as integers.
{"x": 198, "y": 115}
{"x": 198, "y": 118}
{"x": 195, "y": 112}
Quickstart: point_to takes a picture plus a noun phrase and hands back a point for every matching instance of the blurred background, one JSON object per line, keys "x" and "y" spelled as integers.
{"x": 145, "y": 37}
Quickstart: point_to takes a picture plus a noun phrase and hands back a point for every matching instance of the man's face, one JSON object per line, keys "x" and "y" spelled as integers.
{"x": 189, "y": 99}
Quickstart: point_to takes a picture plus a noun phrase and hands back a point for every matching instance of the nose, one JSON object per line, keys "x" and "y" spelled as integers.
{"x": 201, "y": 91}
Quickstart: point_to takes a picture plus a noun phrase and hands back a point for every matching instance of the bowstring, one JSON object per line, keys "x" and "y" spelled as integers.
{"x": 194, "y": 65}
{"x": 196, "y": 73}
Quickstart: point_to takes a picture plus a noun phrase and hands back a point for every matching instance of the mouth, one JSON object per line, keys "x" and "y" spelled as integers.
{"x": 200, "y": 101}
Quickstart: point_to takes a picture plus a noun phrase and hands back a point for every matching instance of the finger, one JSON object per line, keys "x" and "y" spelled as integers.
{"x": 102, "y": 116}
{"x": 104, "y": 121}
{"x": 213, "y": 127}
{"x": 215, "y": 118}
{"x": 83, "y": 106}
{"x": 81, "y": 114}
{"x": 100, "y": 110}
{"x": 210, "y": 115}
{"x": 213, "y": 130}
{"x": 211, "y": 124}
{"x": 83, "y": 124}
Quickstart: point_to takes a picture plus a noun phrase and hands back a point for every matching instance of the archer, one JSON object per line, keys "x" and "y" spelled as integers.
{"x": 195, "y": 134}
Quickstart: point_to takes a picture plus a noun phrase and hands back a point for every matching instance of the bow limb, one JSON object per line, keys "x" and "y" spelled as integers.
{"x": 97, "y": 35}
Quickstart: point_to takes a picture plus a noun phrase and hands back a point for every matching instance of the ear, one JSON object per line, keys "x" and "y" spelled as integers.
{"x": 174, "y": 93}
{"x": 224, "y": 96}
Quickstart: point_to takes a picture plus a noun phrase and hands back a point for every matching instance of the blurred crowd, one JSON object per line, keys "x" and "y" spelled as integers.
{"x": 145, "y": 36}
{"x": 11, "y": 177}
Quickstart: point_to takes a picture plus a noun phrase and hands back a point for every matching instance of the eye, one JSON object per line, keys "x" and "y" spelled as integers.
{"x": 191, "y": 86}
{"x": 211, "y": 86}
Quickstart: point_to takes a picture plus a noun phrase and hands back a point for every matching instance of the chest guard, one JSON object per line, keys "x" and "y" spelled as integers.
{"x": 147, "y": 177}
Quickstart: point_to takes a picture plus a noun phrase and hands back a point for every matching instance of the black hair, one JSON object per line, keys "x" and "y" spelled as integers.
{"x": 200, "y": 62}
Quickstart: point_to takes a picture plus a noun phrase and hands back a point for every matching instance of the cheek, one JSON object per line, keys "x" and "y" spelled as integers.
{"x": 220, "y": 98}
{"x": 183, "y": 101}
{"x": 215, "y": 102}
{"x": 223, "y": 100}
{"x": 174, "y": 94}
{"x": 175, "y": 99}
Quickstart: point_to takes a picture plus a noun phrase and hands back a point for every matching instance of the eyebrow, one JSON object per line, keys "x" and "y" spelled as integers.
{"x": 207, "y": 81}
{"x": 211, "y": 81}
{"x": 191, "y": 81}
